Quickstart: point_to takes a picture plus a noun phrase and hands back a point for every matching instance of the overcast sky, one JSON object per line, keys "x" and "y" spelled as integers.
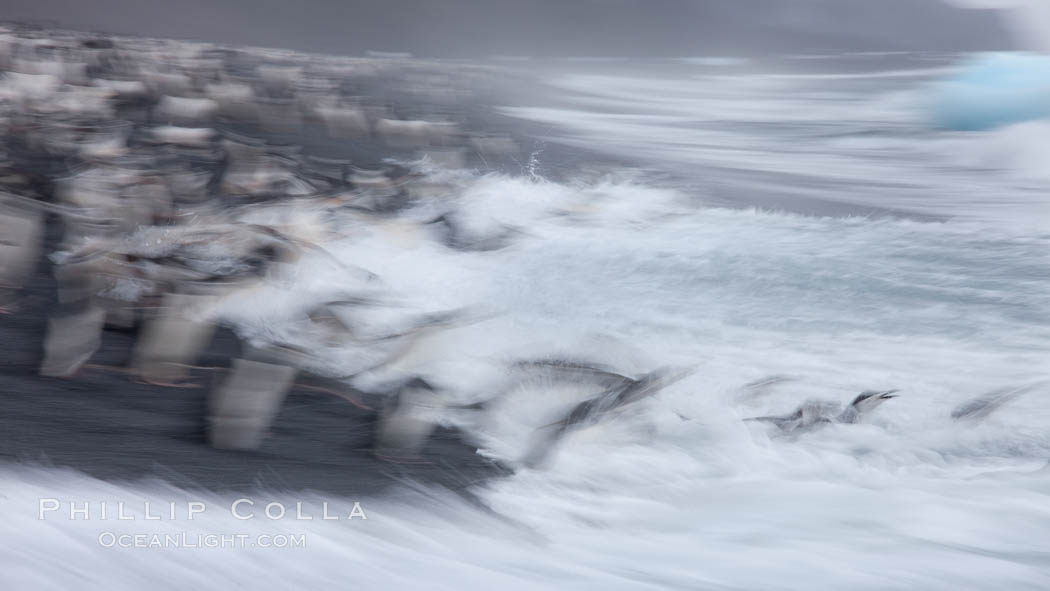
{"x": 456, "y": 28}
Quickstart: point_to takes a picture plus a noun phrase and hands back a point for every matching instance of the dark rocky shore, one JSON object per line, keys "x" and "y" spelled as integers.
{"x": 104, "y": 422}
{"x": 106, "y": 425}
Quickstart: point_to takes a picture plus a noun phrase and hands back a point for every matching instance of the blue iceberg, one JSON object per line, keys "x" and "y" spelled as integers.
{"x": 993, "y": 90}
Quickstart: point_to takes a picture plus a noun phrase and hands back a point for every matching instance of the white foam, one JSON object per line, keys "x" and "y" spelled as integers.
{"x": 860, "y": 139}
{"x": 677, "y": 491}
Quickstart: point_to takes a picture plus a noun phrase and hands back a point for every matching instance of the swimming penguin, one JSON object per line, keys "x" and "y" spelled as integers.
{"x": 551, "y": 370}
{"x": 576, "y": 370}
{"x": 761, "y": 387}
{"x": 820, "y": 412}
{"x": 595, "y": 409}
{"x": 864, "y": 402}
{"x": 987, "y": 403}
{"x": 808, "y": 414}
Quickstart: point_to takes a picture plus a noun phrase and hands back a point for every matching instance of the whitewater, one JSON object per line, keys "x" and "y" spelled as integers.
{"x": 804, "y": 223}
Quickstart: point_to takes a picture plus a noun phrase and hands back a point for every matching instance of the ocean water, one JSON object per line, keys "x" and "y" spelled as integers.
{"x": 777, "y": 221}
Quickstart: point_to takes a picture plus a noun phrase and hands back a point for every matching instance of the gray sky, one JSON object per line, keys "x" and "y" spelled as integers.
{"x": 455, "y": 28}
